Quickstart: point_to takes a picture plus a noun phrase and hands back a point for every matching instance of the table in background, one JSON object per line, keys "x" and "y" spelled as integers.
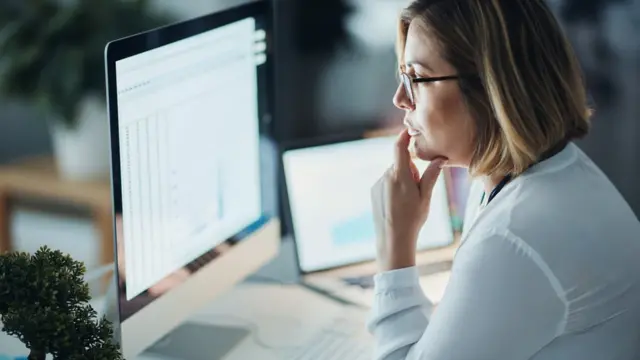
{"x": 37, "y": 179}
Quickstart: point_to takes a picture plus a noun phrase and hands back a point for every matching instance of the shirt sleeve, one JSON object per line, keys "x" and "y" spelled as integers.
{"x": 502, "y": 302}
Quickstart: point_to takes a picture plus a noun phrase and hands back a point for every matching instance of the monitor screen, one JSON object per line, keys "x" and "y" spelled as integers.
{"x": 189, "y": 156}
{"x": 329, "y": 192}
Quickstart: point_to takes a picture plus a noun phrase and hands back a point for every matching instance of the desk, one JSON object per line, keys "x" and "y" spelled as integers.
{"x": 282, "y": 317}
{"x": 282, "y": 314}
{"x": 37, "y": 179}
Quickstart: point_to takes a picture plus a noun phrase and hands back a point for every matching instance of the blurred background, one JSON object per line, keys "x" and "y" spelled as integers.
{"x": 336, "y": 75}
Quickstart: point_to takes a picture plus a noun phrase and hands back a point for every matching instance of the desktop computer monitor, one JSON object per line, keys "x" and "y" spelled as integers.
{"x": 189, "y": 167}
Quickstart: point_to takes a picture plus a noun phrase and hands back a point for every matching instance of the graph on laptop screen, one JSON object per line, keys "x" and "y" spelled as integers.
{"x": 329, "y": 191}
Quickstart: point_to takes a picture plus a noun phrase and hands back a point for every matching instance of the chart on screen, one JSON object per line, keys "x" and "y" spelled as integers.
{"x": 183, "y": 192}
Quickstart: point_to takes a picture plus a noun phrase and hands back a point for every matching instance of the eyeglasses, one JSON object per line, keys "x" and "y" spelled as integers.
{"x": 408, "y": 82}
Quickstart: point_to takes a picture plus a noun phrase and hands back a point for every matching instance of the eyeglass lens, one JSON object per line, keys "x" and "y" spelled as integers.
{"x": 406, "y": 81}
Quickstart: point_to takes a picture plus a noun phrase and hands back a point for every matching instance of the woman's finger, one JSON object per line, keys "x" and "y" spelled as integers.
{"x": 403, "y": 158}
{"x": 414, "y": 171}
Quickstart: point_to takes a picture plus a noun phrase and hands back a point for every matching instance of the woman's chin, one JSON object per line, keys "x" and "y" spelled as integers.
{"x": 429, "y": 155}
{"x": 424, "y": 153}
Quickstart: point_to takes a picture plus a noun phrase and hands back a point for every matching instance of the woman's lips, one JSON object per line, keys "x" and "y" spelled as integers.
{"x": 410, "y": 129}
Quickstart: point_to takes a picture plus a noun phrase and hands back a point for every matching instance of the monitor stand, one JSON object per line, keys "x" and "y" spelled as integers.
{"x": 193, "y": 341}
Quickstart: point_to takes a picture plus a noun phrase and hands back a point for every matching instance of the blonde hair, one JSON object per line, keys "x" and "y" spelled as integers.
{"x": 528, "y": 94}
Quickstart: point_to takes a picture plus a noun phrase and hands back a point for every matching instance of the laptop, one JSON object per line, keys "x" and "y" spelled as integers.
{"x": 328, "y": 191}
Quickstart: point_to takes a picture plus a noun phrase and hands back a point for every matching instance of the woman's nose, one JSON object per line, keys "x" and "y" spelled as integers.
{"x": 401, "y": 100}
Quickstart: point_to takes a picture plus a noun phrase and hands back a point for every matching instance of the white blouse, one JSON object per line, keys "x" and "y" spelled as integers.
{"x": 549, "y": 269}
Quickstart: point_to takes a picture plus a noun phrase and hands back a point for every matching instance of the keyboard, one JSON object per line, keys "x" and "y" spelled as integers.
{"x": 334, "y": 346}
{"x": 343, "y": 340}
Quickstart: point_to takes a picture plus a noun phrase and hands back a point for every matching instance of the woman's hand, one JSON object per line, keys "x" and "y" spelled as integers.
{"x": 400, "y": 201}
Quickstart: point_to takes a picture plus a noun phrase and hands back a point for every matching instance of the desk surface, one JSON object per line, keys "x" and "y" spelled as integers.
{"x": 282, "y": 318}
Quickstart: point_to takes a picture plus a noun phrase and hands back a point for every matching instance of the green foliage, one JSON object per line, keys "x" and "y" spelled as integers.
{"x": 43, "y": 302}
{"x": 87, "y": 338}
{"x": 53, "y": 51}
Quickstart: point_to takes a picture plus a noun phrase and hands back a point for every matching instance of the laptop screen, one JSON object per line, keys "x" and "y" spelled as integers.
{"x": 329, "y": 192}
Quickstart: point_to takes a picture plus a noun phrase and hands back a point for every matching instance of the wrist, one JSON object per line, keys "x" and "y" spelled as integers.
{"x": 399, "y": 258}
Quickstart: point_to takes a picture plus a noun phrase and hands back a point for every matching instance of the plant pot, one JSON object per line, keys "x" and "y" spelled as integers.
{"x": 81, "y": 150}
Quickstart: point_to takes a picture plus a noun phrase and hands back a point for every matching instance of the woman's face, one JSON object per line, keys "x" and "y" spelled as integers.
{"x": 439, "y": 121}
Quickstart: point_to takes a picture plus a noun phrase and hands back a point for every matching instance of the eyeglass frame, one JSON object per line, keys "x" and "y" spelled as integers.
{"x": 408, "y": 82}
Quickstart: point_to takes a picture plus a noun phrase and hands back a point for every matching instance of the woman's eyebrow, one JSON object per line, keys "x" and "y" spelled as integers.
{"x": 421, "y": 64}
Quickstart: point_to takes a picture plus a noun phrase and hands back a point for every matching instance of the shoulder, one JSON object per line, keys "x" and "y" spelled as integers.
{"x": 500, "y": 248}
{"x": 499, "y": 245}
{"x": 557, "y": 200}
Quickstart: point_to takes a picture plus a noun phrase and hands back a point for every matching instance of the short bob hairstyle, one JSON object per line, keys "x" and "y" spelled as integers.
{"x": 528, "y": 95}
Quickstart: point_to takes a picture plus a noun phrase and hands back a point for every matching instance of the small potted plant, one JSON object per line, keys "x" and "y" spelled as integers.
{"x": 53, "y": 59}
{"x": 44, "y": 303}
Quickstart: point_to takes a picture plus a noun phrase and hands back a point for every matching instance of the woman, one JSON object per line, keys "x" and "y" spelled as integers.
{"x": 549, "y": 267}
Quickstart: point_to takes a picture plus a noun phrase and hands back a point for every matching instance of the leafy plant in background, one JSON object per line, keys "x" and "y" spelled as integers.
{"x": 44, "y": 303}
{"x": 52, "y": 51}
